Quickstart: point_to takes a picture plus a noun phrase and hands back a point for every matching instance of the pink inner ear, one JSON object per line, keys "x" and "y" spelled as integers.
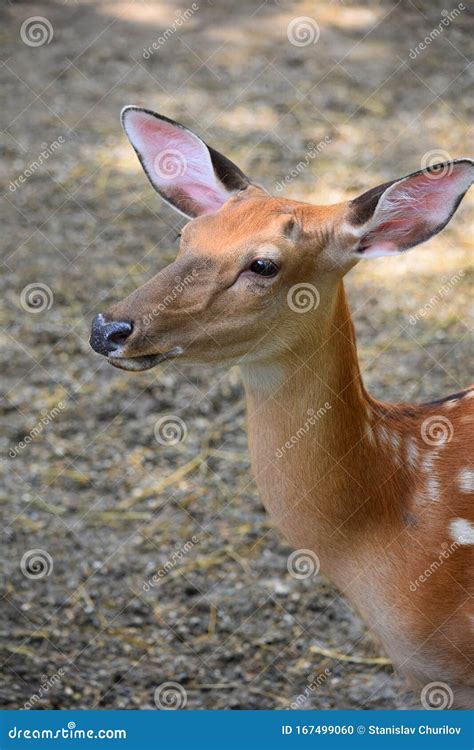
{"x": 415, "y": 208}
{"x": 177, "y": 162}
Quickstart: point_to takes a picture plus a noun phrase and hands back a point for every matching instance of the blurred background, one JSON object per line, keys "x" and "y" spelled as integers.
{"x": 320, "y": 101}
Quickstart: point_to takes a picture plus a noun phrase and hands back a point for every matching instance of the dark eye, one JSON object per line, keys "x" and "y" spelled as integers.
{"x": 264, "y": 267}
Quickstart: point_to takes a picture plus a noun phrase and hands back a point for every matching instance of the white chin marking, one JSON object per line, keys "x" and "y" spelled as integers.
{"x": 134, "y": 364}
{"x": 138, "y": 364}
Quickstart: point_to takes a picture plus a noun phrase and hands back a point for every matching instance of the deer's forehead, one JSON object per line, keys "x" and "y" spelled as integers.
{"x": 237, "y": 224}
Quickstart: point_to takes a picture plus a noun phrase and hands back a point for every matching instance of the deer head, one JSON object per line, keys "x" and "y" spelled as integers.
{"x": 246, "y": 256}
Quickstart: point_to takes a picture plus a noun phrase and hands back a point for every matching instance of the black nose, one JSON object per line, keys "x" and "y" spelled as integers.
{"x": 107, "y": 338}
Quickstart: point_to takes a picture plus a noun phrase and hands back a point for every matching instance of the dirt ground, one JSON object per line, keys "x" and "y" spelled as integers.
{"x": 92, "y": 487}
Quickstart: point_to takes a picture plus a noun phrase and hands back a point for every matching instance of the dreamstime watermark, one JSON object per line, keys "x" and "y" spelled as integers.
{"x": 170, "y": 164}
{"x": 46, "y": 418}
{"x": 302, "y": 31}
{"x": 71, "y": 732}
{"x": 437, "y": 696}
{"x": 313, "y": 418}
{"x": 443, "y": 290}
{"x": 47, "y": 149}
{"x": 303, "y": 563}
{"x": 437, "y": 164}
{"x": 446, "y": 551}
{"x": 181, "y": 18}
{"x": 313, "y": 151}
{"x": 170, "y": 696}
{"x": 303, "y": 297}
{"x": 36, "y": 297}
{"x": 448, "y": 16}
{"x": 175, "y": 292}
{"x": 36, "y": 563}
{"x": 170, "y": 430}
{"x": 301, "y": 700}
{"x": 47, "y": 683}
{"x": 36, "y": 31}
{"x": 436, "y": 430}
{"x": 178, "y": 555}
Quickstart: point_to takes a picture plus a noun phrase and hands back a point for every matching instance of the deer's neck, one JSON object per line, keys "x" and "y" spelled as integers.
{"x": 313, "y": 444}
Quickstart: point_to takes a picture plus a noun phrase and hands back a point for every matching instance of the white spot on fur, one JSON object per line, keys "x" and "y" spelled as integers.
{"x": 466, "y": 480}
{"x": 369, "y": 433}
{"x": 394, "y": 438}
{"x": 432, "y": 489}
{"x": 391, "y": 439}
{"x": 395, "y": 442}
{"x": 462, "y": 531}
{"x": 412, "y": 453}
{"x": 427, "y": 462}
{"x": 384, "y": 435}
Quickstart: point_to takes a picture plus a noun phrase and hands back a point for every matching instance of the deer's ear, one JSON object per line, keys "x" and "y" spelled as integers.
{"x": 398, "y": 215}
{"x": 190, "y": 176}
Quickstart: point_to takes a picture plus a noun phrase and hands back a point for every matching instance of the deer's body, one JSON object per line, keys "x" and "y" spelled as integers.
{"x": 383, "y": 494}
{"x": 364, "y": 491}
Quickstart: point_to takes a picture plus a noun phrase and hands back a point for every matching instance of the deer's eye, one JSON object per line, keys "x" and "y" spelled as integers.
{"x": 264, "y": 267}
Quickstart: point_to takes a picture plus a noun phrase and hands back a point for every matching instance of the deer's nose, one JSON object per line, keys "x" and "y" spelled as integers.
{"x": 108, "y": 337}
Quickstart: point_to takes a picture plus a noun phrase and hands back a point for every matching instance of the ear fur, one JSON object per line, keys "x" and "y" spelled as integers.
{"x": 189, "y": 175}
{"x": 398, "y": 215}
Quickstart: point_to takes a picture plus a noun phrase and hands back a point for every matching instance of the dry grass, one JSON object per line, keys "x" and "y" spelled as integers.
{"x": 95, "y": 490}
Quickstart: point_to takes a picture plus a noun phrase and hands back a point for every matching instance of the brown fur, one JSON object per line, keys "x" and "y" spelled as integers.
{"x": 351, "y": 489}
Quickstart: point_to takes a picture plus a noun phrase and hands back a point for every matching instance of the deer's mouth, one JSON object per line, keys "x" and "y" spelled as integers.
{"x": 146, "y": 362}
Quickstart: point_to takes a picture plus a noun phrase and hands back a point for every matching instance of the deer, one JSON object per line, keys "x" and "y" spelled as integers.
{"x": 378, "y": 492}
